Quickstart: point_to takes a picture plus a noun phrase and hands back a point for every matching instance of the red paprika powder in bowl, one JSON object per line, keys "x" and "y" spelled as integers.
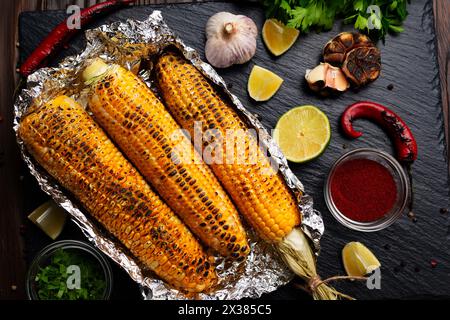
{"x": 366, "y": 190}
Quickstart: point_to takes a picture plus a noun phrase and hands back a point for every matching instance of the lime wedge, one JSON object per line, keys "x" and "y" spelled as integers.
{"x": 303, "y": 133}
{"x": 263, "y": 84}
{"x": 50, "y": 218}
{"x": 358, "y": 260}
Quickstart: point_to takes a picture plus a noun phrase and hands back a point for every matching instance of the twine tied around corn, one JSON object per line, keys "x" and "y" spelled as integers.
{"x": 296, "y": 251}
{"x": 315, "y": 282}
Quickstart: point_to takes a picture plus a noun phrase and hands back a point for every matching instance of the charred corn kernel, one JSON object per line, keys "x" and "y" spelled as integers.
{"x": 145, "y": 131}
{"x": 251, "y": 181}
{"x": 67, "y": 142}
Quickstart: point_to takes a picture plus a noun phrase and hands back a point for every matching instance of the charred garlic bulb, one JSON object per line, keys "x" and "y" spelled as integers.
{"x": 356, "y": 54}
{"x": 231, "y": 39}
{"x": 325, "y": 78}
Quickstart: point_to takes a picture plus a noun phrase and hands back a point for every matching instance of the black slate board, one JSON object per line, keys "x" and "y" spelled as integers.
{"x": 409, "y": 63}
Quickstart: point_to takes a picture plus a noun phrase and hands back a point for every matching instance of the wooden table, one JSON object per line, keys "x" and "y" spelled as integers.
{"x": 12, "y": 264}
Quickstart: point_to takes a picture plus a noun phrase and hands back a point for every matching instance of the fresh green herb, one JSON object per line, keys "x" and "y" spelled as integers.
{"x": 374, "y": 17}
{"x": 52, "y": 279}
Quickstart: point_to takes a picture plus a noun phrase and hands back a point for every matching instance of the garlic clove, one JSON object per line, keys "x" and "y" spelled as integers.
{"x": 336, "y": 79}
{"x": 324, "y": 77}
{"x": 316, "y": 77}
{"x": 231, "y": 39}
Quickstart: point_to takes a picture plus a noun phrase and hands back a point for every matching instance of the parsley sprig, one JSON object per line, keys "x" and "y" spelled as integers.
{"x": 374, "y": 17}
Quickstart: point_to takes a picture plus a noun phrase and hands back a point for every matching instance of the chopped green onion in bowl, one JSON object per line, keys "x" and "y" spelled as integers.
{"x": 69, "y": 270}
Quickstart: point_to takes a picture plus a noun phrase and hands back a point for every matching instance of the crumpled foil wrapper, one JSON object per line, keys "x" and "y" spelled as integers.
{"x": 128, "y": 43}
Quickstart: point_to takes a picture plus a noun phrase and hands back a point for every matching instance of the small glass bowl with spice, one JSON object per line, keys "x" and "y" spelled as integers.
{"x": 69, "y": 270}
{"x": 367, "y": 190}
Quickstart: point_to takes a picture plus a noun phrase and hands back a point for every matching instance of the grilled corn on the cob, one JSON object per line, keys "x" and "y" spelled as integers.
{"x": 66, "y": 141}
{"x": 145, "y": 131}
{"x": 257, "y": 190}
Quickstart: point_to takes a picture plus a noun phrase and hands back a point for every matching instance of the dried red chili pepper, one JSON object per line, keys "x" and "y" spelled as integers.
{"x": 62, "y": 33}
{"x": 400, "y": 133}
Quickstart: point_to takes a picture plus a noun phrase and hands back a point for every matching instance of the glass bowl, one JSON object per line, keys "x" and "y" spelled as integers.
{"x": 42, "y": 259}
{"x": 401, "y": 180}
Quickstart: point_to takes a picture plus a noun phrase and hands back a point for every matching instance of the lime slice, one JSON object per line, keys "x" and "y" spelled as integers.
{"x": 263, "y": 84}
{"x": 303, "y": 133}
{"x": 50, "y": 218}
{"x": 277, "y": 37}
{"x": 358, "y": 260}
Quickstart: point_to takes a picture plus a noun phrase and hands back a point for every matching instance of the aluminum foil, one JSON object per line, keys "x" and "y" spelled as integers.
{"x": 128, "y": 43}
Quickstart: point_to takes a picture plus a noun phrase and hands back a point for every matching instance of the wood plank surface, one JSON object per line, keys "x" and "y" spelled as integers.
{"x": 442, "y": 25}
{"x": 12, "y": 265}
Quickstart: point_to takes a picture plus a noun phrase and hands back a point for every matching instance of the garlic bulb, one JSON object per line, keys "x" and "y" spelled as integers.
{"x": 231, "y": 39}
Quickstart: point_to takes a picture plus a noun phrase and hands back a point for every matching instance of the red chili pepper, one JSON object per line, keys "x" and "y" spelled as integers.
{"x": 62, "y": 33}
{"x": 400, "y": 133}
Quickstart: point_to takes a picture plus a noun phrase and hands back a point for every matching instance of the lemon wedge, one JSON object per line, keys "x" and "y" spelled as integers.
{"x": 50, "y": 218}
{"x": 263, "y": 84}
{"x": 277, "y": 37}
{"x": 303, "y": 133}
{"x": 358, "y": 260}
